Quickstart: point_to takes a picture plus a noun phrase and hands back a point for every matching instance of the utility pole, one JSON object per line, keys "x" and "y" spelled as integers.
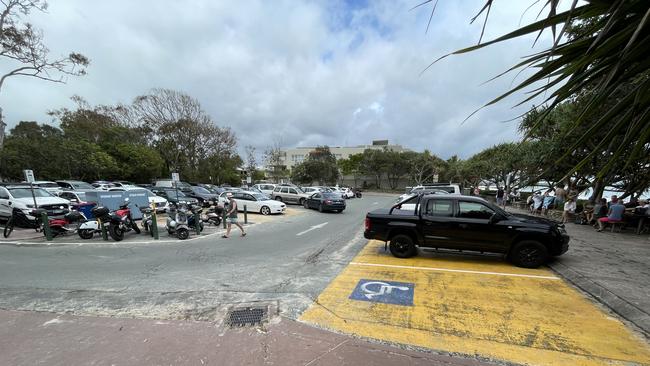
{"x": 2, "y": 129}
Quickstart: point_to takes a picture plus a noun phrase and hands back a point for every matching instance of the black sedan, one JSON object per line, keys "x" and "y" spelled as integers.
{"x": 326, "y": 201}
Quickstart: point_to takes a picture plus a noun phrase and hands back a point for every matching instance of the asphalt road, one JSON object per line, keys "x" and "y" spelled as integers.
{"x": 189, "y": 280}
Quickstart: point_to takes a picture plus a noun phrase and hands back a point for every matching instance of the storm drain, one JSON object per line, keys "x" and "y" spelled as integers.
{"x": 247, "y": 316}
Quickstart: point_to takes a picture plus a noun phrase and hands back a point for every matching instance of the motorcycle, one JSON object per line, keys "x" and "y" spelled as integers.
{"x": 70, "y": 222}
{"x": 122, "y": 222}
{"x": 357, "y": 193}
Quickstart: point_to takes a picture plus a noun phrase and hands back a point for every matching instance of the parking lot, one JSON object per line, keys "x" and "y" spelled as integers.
{"x": 473, "y": 305}
{"x": 317, "y": 268}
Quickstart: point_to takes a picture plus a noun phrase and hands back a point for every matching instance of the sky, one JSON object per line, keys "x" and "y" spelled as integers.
{"x": 302, "y": 73}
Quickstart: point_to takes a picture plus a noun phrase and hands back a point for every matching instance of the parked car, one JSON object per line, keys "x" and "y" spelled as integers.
{"x": 168, "y": 183}
{"x": 266, "y": 188}
{"x": 73, "y": 196}
{"x": 19, "y": 196}
{"x": 442, "y": 188}
{"x": 204, "y": 196}
{"x": 75, "y": 185}
{"x": 175, "y": 196}
{"x": 466, "y": 223}
{"x": 258, "y": 202}
{"x": 102, "y": 186}
{"x": 161, "y": 204}
{"x": 289, "y": 194}
{"x": 325, "y": 201}
{"x": 47, "y": 185}
{"x": 346, "y": 192}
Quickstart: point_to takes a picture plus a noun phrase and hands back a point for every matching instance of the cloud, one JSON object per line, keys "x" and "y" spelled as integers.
{"x": 304, "y": 73}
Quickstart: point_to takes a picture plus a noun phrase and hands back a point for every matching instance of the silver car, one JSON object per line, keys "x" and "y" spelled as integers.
{"x": 289, "y": 195}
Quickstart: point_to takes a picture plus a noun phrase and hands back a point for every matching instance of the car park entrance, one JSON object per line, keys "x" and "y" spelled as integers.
{"x": 478, "y": 306}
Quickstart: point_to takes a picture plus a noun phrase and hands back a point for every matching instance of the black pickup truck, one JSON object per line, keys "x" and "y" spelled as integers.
{"x": 465, "y": 223}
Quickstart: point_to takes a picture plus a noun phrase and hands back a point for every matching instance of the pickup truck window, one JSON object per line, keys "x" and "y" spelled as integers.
{"x": 474, "y": 210}
{"x": 440, "y": 208}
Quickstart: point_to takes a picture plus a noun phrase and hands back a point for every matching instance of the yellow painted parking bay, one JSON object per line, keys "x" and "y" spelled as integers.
{"x": 476, "y": 306}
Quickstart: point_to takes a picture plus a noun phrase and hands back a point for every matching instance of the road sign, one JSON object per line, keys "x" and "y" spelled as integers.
{"x": 29, "y": 176}
{"x": 249, "y": 180}
{"x": 176, "y": 177}
{"x": 387, "y": 292}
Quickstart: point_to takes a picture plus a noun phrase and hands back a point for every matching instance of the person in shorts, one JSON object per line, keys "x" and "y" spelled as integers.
{"x": 615, "y": 213}
{"x": 231, "y": 216}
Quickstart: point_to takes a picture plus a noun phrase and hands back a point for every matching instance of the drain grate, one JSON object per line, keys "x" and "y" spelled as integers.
{"x": 247, "y": 316}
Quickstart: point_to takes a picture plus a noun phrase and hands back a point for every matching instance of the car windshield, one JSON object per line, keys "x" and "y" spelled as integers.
{"x": 260, "y": 197}
{"x": 176, "y": 194}
{"x": 331, "y": 195}
{"x": 27, "y": 192}
{"x": 81, "y": 185}
{"x": 201, "y": 190}
{"x": 48, "y": 185}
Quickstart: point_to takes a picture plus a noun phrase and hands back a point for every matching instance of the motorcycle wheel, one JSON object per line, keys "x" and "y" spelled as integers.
{"x": 86, "y": 233}
{"x": 214, "y": 221}
{"x": 182, "y": 234}
{"x": 116, "y": 232}
{"x": 134, "y": 226}
{"x": 145, "y": 226}
{"x": 9, "y": 227}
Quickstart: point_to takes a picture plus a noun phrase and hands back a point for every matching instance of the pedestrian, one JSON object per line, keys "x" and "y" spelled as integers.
{"x": 537, "y": 202}
{"x": 615, "y": 214}
{"x": 560, "y": 196}
{"x": 477, "y": 191}
{"x": 547, "y": 202}
{"x": 500, "y": 194}
{"x": 231, "y": 215}
{"x": 569, "y": 209}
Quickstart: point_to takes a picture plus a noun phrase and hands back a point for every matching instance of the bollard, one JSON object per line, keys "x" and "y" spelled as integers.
{"x": 154, "y": 225}
{"x": 103, "y": 228}
{"x": 224, "y": 216}
{"x": 197, "y": 223}
{"x": 46, "y": 226}
{"x": 245, "y": 215}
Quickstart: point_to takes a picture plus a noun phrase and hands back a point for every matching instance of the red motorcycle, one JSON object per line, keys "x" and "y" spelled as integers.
{"x": 68, "y": 224}
{"x": 122, "y": 222}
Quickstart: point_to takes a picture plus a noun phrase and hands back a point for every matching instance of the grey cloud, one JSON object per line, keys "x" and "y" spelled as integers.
{"x": 307, "y": 73}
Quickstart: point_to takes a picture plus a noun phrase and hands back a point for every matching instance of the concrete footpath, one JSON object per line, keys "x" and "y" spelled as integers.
{"x": 613, "y": 268}
{"x": 31, "y": 338}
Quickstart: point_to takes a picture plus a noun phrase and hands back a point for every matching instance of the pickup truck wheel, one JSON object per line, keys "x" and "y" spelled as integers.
{"x": 402, "y": 246}
{"x": 528, "y": 254}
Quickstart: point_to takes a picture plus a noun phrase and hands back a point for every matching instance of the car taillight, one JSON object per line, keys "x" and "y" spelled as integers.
{"x": 367, "y": 224}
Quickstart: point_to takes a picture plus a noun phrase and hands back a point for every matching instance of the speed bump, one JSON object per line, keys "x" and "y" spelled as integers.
{"x": 475, "y": 306}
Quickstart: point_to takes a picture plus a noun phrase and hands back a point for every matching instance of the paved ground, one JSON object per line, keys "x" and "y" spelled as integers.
{"x": 30, "y": 338}
{"x": 187, "y": 279}
{"x": 476, "y": 307}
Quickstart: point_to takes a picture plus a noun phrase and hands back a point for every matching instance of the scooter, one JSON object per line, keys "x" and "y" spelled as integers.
{"x": 147, "y": 219}
{"x": 177, "y": 222}
{"x": 102, "y": 218}
{"x": 69, "y": 224}
{"x": 213, "y": 216}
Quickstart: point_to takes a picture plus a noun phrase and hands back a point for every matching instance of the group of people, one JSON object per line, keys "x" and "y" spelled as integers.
{"x": 599, "y": 214}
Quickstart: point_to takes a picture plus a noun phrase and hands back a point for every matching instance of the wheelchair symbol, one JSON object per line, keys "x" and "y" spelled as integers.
{"x": 384, "y": 288}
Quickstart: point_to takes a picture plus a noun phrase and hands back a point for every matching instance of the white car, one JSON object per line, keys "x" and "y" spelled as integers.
{"x": 266, "y": 188}
{"x": 442, "y": 189}
{"x": 47, "y": 185}
{"x": 347, "y": 192}
{"x": 257, "y": 202}
{"x": 20, "y": 196}
{"x": 161, "y": 203}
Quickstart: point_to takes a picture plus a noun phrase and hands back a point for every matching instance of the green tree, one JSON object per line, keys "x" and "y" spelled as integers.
{"x": 351, "y": 166}
{"x": 600, "y": 53}
{"x": 374, "y": 164}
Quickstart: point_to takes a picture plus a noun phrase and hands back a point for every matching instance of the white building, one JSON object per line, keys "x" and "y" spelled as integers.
{"x": 292, "y": 157}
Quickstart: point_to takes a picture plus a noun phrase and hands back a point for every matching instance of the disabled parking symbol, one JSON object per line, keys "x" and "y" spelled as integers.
{"x": 387, "y": 292}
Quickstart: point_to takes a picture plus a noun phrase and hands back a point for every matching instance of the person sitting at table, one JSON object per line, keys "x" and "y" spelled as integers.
{"x": 588, "y": 212}
{"x": 632, "y": 204}
{"x": 600, "y": 210}
{"x": 614, "y": 214}
{"x": 548, "y": 201}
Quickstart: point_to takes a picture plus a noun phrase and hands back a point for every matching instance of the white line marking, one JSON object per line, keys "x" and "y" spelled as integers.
{"x": 312, "y": 228}
{"x": 455, "y": 270}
